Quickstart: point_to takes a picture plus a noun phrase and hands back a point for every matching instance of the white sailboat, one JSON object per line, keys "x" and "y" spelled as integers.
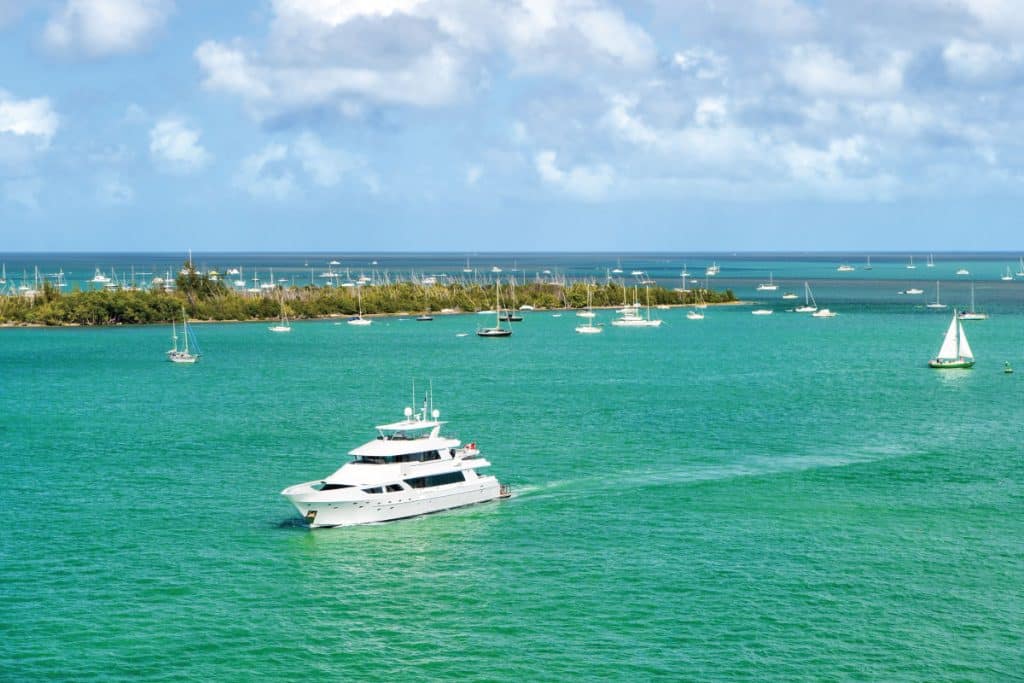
{"x": 931, "y": 261}
{"x": 955, "y": 351}
{"x": 972, "y": 314}
{"x": 1007, "y": 276}
{"x": 633, "y": 319}
{"x": 810, "y": 305}
{"x": 1020, "y": 271}
{"x": 3, "y": 275}
{"x": 187, "y": 353}
{"x": 845, "y": 268}
{"x": 867, "y": 266}
{"x": 589, "y": 327}
{"x": 769, "y": 286}
{"x": 359, "y": 319}
{"x": 282, "y": 325}
{"x": 497, "y": 330}
{"x": 696, "y": 313}
{"x": 911, "y": 266}
{"x": 936, "y": 303}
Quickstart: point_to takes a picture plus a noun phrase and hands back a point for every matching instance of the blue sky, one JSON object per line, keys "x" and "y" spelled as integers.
{"x": 517, "y": 125}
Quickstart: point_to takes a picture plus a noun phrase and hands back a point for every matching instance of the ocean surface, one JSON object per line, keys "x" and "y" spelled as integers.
{"x": 740, "y": 498}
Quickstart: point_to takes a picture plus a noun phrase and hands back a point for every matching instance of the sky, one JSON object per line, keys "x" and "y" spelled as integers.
{"x": 511, "y": 125}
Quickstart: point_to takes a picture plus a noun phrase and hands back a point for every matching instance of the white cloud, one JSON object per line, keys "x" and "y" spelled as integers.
{"x": 277, "y": 171}
{"x": 175, "y": 146}
{"x": 585, "y": 182}
{"x": 701, "y": 63}
{"x": 98, "y": 28}
{"x": 35, "y": 118}
{"x": 324, "y": 165}
{"x": 473, "y": 174}
{"x": 112, "y": 191}
{"x": 981, "y": 62}
{"x": 349, "y": 56}
{"x": 816, "y": 70}
{"x": 264, "y": 176}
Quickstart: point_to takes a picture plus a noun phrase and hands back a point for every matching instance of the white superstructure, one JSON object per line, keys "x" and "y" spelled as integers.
{"x": 410, "y": 469}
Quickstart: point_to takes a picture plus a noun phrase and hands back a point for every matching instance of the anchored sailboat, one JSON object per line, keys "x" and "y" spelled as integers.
{"x": 972, "y": 314}
{"x": 187, "y": 353}
{"x": 936, "y": 303}
{"x": 810, "y": 305}
{"x": 282, "y": 325}
{"x": 359, "y": 319}
{"x": 497, "y": 330}
{"x": 955, "y": 351}
{"x": 589, "y": 327}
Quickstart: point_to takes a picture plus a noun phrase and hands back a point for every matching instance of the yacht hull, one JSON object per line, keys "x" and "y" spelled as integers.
{"x": 950, "y": 365}
{"x": 320, "y": 512}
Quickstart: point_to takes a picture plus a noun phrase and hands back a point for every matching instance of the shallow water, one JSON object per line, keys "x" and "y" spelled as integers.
{"x": 741, "y": 497}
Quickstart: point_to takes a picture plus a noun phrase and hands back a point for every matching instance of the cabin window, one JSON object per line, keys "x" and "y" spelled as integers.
{"x": 332, "y": 487}
{"x": 436, "y": 480}
{"x": 392, "y": 488}
{"x": 374, "y": 489}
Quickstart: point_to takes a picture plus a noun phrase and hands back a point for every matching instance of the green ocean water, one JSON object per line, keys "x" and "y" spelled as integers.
{"x": 739, "y": 498}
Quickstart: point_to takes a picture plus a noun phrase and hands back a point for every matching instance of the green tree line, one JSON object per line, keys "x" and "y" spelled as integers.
{"x": 206, "y": 299}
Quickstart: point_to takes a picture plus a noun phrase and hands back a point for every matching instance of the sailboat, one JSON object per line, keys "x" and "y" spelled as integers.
{"x": 185, "y": 354}
{"x": 282, "y": 325}
{"x": 936, "y": 303}
{"x": 845, "y": 268}
{"x": 359, "y": 319}
{"x": 1020, "y": 272}
{"x": 510, "y": 315}
{"x": 972, "y": 314}
{"x": 931, "y": 261}
{"x": 1007, "y": 276}
{"x": 911, "y": 266}
{"x": 3, "y": 275}
{"x": 769, "y": 286}
{"x": 955, "y": 351}
{"x": 589, "y": 327}
{"x": 632, "y": 319}
{"x": 696, "y": 313}
{"x": 497, "y": 330}
{"x": 867, "y": 266}
{"x": 810, "y": 305}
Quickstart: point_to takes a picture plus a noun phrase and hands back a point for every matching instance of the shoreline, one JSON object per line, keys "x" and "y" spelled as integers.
{"x": 340, "y": 316}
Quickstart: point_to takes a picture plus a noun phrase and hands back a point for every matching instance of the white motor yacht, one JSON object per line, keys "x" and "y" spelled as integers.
{"x": 410, "y": 469}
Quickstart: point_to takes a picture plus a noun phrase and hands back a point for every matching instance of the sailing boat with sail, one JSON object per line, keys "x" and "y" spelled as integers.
{"x": 810, "y": 305}
{"x": 955, "y": 351}
{"x": 972, "y": 314}
{"x": 187, "y": 353}
{"x": 282, "y": 325}
{"x": 497, "y": 330}
{"x": 359, "y": 319}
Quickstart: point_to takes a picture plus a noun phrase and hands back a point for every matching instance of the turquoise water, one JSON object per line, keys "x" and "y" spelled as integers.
{"x": 755, "y": 498}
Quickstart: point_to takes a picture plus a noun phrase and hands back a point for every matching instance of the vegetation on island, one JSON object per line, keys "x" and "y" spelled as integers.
{"x": 207, "y": 299}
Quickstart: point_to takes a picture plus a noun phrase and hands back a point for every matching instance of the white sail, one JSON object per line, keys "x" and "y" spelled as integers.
{"x": 965, "y": 348}
{"x": 949, "y": 343}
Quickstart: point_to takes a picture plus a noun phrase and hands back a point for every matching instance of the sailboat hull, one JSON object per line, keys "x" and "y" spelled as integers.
{"x": 494, "y": 332}
{"x": 958, "y": 364}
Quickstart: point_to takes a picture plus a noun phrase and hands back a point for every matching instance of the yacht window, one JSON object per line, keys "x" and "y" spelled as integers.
{"x": 372, "y": 460}
{"x": 374, "y": 489}
{"x": 432, "y": 455}
{"x": 436, "y": 480}
{"x": 331, "y": 487}
{"x": 392, "y": 488}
